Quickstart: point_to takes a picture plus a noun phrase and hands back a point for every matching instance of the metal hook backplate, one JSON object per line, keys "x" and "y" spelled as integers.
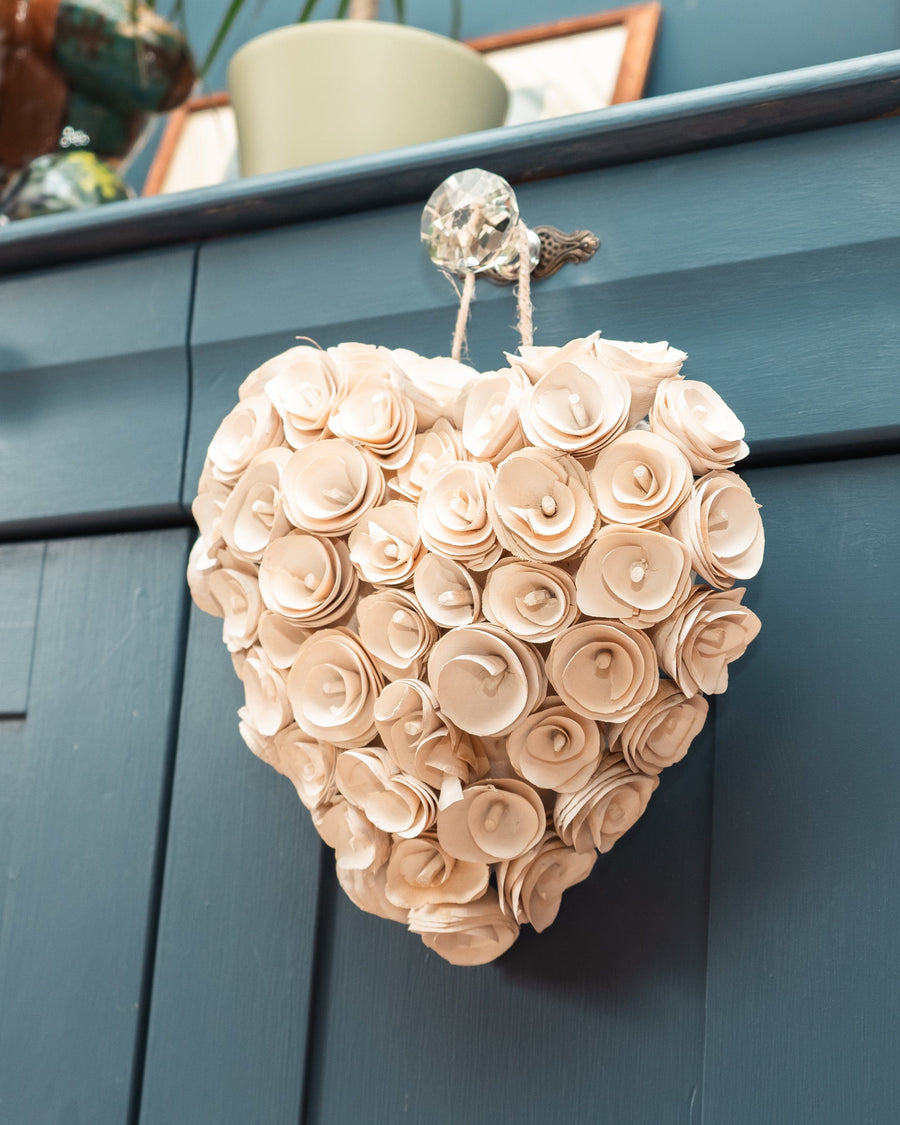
{"x": 557, "y": 250}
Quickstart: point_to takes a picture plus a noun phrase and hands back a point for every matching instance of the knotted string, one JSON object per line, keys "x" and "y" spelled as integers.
{"x": 462, "y": 317}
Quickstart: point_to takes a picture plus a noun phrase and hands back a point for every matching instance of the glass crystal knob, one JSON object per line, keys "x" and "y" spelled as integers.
{"x": 470, "y": 223}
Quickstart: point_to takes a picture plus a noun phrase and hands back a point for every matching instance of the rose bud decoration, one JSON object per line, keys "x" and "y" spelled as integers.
{"x": 446, "y": 591}
{"x": 308, "y": 764}
{"x": 692, "y": 416}
{"x": 542, "y": 505}
{"x": 576, "y": 407}
{"x": 602, "y": 812}
{"x": 708, "y": 632}
{"x": 453, "y": 514}
{"x": 392, "y": 801}
{"x": 491, "y": 429}
{"x": 721, "y": 528}
{"x": 304, "y": 385}
{"x": 396, "y": 651}
{"x": 385, "y": 546}
{"x": 250, "y": 428}
{"x": 645, "y": 366}
{"x": 468, "y": 933}
{"x": 554, "y": 748}
{"x": 332, "y": 688}
{"x": 422, "y": 741}
{"x": 661, "y": 732}
{"x": 308, "y": 580}
{"x": 533, "y": 601}
{"x": 395, "y": 631}
{"x": 329, "y": 487}
{"x": 494, "y": 821}
{"x": 420, "y": 872}
{"x": 640, "y": 478}
{"x": 531, "y": 886}
{"x": 603, "y": 670}
{"x": 379, "y": 419}
{"x": 431, "y": 449}
{"x": 637, "y": 575}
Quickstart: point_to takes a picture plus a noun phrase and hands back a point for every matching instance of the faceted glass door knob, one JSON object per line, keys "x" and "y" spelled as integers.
{"x": 470, "y": 223}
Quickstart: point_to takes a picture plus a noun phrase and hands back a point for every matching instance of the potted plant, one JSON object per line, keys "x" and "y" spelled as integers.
{"x": 324, "y": 90}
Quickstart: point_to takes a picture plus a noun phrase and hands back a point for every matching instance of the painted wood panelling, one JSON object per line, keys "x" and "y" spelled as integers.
{"x": 20, "y": 584}
{"x": 234, "y": 966}
{"x": 93, "y": 389}
{"x": 804, "y": 988}
{"x": 768, "y": 262}
{"x": 84, "y": 783}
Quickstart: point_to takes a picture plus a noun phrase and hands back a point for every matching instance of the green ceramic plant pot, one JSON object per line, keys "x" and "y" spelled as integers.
{"x": 323, "y": 91}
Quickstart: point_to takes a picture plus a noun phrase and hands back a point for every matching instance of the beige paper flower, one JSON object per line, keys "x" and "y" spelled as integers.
{"x": 280, "y": 639}
{"x": 385, "y": 546}
{"x": 640, "y": 478}
{"x": 531, "y": 886}
{"x": 706, "y": 634}
{"x": 332, "y": 688}
{"x": 542, "y": 505}
{"x": 209, "y": 503}
{"x": 262, "y": 745}
{"x": 698, "y": 421}
{"x": 634, "y": 574}
{"x": 533, "y": 601}
{"x": 421, "y": 740}
{"x": 467, "y": 933}
{"x": 535, "y": 361}
{"x": 603, "y": 670}
{"x": 420, "y": 872}
{"x": 453, "y": 514}
{"x": 494, "y": 821}
{"x": 237, "y": 596}
{"x": 576, "y": 407}
{"x": 393, "y": 801}
{"x": 367, "y": 889}
{"x": 308, "y": 764}
{"x": 431, "y": 449}
{"x": 359, "y": 363}
{"x": 485, "y": 680}
{"x": 554, "y": 748}
{"x": 491, "y": 429}
{"x": 376, "y": 417}
{"x": 308, "y": 580}
{"x": 202, "y": 565}
{"x": 253, "y": 514}
{"x": 395, "y": 632}
{"x": 252, "y": 426}
{"x": 304, "y": 388}
{"x": 661, "y": 732}
{"x": 329, "y": 486}
{"x": 268, "y": 708}
{"x": 447, "y": 592}
{"x": 602, "y": 812}
{"x": 437, "y": 388}
{"x": 721, "y": 528}
{"x": 358, "y": 844}
{"x": 645, "y": 366}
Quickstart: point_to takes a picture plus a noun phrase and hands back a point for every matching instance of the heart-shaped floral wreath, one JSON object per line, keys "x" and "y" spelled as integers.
{"x": 464, "y": 609}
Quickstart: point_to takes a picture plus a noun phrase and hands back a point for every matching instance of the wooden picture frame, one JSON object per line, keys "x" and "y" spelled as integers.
{"x": 194, "y": 150}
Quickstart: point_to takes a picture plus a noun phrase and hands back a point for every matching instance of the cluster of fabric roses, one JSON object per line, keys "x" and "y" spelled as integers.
{"x": 475, "y": 614}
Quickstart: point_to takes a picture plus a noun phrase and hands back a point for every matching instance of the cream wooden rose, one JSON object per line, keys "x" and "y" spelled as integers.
{"x": 408, "y": 556}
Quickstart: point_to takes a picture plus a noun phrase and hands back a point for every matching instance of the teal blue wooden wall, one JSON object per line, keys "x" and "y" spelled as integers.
{"x": 174, "y": 949}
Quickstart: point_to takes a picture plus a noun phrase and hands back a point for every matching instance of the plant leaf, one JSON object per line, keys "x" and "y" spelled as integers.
{"x": 224, "y": 27}
{"x": 308, "y": 9}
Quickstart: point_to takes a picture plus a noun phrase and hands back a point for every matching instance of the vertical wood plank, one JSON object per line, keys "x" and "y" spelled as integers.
{"x": 805, "y": 907}
{"x": 20, "y": 583}
{"x": 78, "y": 860}
{"x": 228, "y": 1021}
